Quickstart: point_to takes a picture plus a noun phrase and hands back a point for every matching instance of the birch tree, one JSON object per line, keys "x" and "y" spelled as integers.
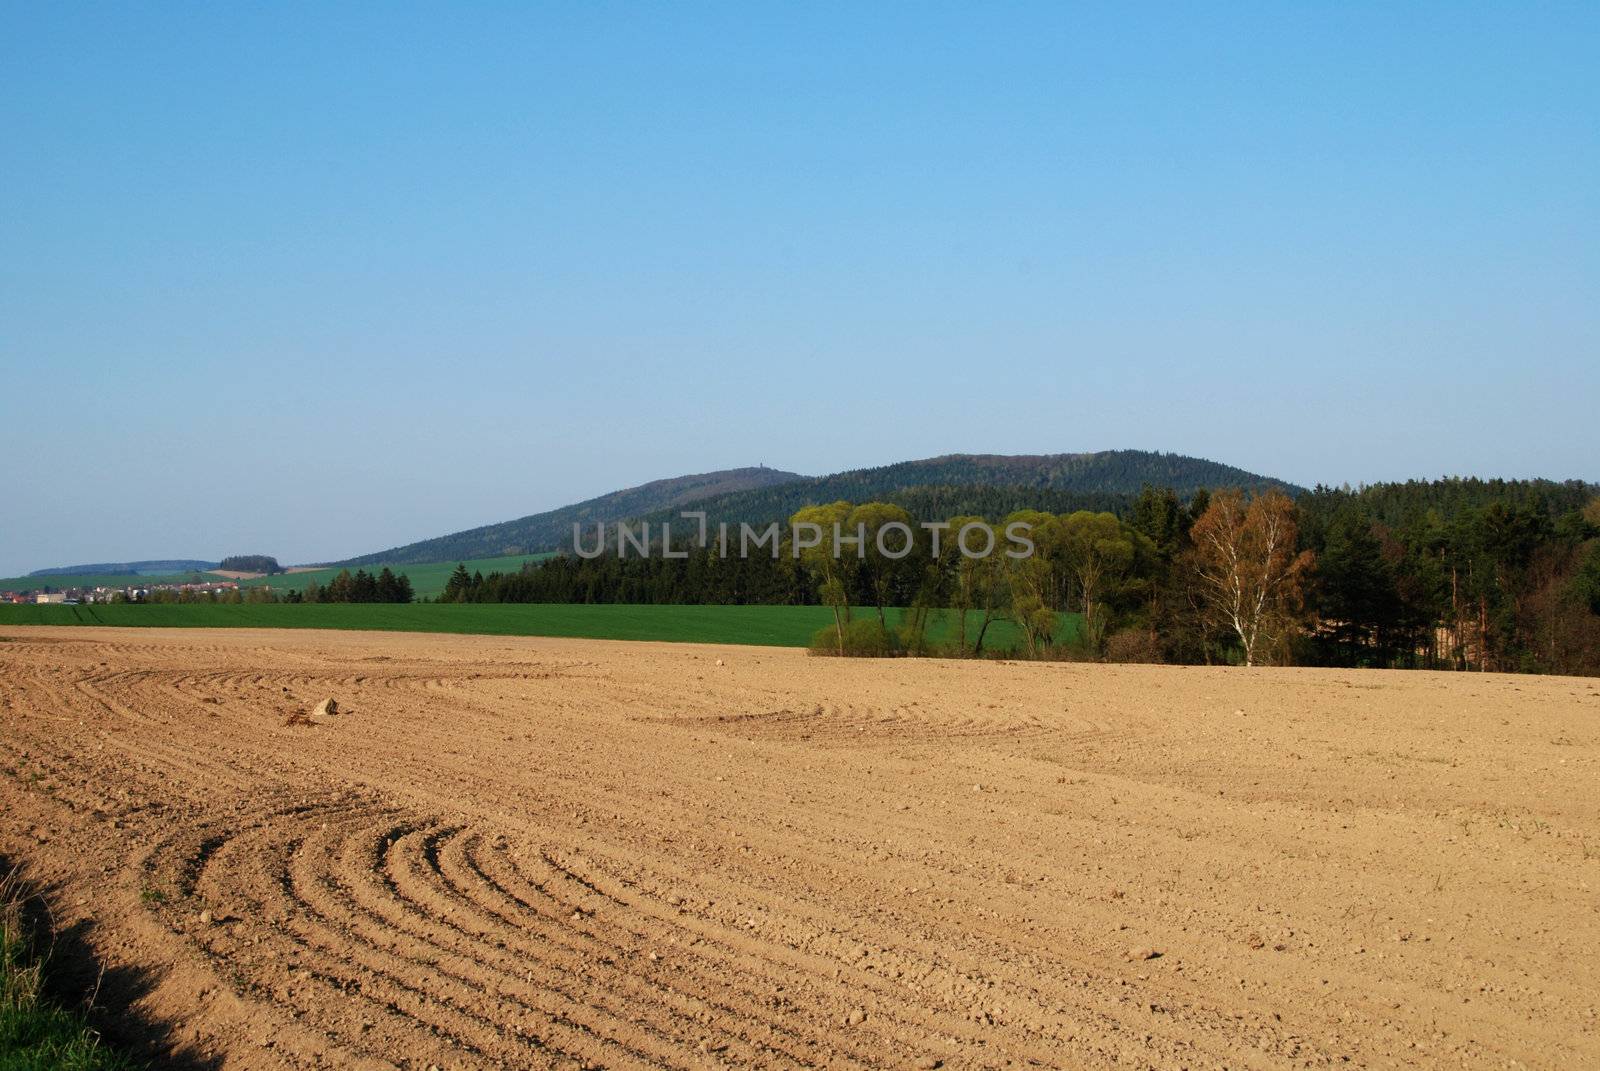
{"x": 1249, "y": 573}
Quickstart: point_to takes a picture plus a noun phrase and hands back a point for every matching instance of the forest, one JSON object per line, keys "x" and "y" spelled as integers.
{"x": 1448, "y": 574}
{"x": 251, "y": 563}
{"x": 360, "y": 586}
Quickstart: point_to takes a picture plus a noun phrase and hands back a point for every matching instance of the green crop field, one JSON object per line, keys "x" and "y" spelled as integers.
{"x": 782, "y": 626}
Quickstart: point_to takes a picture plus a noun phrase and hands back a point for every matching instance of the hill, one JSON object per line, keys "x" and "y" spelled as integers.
{"x": 550, "y": 530}
{"x": 952, "y": 483}
{"x": 147, "y": 568}
{"x": 991, "y": 485}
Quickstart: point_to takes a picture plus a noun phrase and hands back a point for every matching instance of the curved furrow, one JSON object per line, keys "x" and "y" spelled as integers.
{"x": 173, "y": 757}
{"x": 364, "y": 1011}
{"x": 376, "y": 908}
{"x": 702, "y": 961}
{"x": 287, "y": 884}
{"x": 723, "y": 948}
{"x": 429, "y": 982}
{"x": 567, "y": 936}
{"x": 418, "y": 907}
{"x": 340, "y": 904}
{"x": 62, "y": 746}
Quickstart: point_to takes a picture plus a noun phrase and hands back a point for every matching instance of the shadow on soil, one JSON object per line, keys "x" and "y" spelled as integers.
{"x": 75, "y": 979}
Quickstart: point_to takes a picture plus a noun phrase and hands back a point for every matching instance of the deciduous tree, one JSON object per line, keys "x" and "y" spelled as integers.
{"x": 1248, "y": 567}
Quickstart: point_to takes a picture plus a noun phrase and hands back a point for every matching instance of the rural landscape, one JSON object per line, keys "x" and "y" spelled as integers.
{"x": 990, "y": 838}
{"x": 1461, "y": 574}
{"x": 582, "y": 537}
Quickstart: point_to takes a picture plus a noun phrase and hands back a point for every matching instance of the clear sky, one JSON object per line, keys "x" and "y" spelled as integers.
{"x": 314, "y": 281}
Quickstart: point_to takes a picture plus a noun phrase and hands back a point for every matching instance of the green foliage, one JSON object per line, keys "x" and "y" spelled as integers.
{"x": 863, "y": 638}
{"x": 1587, "y": 583}
{"x": 1097, "y": 552}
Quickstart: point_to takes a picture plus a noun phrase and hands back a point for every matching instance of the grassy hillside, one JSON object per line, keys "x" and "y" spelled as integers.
{"x": 781, "y": 626}
{"x": 553, "y": 529}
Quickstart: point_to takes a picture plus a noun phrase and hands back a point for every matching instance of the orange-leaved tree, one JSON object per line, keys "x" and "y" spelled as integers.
{"x": 1249, "y": 572}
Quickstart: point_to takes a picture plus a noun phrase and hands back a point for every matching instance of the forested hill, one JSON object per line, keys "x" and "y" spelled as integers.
{"x": 953, "y": 483}
{"x": 991, "y": 485}
{"x": 553, "y": 529}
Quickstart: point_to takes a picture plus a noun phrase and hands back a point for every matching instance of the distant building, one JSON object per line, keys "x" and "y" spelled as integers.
{"x": 58, "y": 597}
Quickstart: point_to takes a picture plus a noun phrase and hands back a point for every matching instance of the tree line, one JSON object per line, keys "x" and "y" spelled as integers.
{"x": 1448, "y": 574}
{"x": 360, "y": 586}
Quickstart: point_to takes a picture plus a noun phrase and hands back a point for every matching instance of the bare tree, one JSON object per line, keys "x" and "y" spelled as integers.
{"x": 1249, "y": 573}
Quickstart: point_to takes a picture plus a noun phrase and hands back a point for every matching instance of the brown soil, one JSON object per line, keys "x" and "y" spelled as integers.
{"x": 529, "y": 853}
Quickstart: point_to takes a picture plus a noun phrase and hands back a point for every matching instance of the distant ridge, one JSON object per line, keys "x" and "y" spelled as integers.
{"x": 1106, "y": 471}
{"x": 547, "y": 531}
{"x": 149, "y": 568}
{"x": 951, "y": 482}
{"x": 993, "y": 484}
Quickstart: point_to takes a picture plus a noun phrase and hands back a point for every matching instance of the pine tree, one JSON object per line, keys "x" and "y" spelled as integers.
{"x": 457, "y": 587}
{"x": 1359, "y": 600}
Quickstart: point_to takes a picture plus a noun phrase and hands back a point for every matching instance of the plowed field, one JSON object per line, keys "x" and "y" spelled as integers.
{"x": 561, "y": 853}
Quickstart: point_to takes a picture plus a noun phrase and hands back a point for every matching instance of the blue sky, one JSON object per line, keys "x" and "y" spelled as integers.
{"x": 313, "y": 281}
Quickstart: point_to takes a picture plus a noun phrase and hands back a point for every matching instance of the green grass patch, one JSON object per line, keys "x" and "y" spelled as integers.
{"x": 781, "y": 626}
{"x": 35, "y": 1034}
